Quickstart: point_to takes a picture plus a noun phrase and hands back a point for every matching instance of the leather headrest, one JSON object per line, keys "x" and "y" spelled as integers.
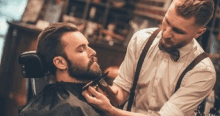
{"x": 31, "y": 65}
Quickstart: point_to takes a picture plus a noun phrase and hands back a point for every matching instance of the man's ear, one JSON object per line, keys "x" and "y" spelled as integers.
{"x": 60, "y": 62}
{"x": 200, "y": 32}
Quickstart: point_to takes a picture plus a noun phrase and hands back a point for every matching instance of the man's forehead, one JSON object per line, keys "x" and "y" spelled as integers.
{"x": 178, "y": 1}
{"x": 74, "y": 39}
{"x": 178, "y": 21}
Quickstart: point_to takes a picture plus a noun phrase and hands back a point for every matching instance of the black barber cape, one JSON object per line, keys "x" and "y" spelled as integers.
{"x": 60, "y": 99}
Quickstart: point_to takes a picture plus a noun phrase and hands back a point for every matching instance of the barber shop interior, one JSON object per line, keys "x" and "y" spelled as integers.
{"x": 110, "y": 57}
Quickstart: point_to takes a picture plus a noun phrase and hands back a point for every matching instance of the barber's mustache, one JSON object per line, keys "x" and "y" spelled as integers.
{"x": 168, "y": 40}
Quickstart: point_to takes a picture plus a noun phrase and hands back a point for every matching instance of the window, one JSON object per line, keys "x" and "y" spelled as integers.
{"x": 9, "y": 10}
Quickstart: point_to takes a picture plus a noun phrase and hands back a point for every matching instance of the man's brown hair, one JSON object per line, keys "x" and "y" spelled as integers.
{"x": 50, "y": 45}
{"x": 202, "y": 10}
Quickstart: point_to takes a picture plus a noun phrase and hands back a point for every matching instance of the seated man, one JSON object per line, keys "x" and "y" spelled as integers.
{"x": 66, "y": 54}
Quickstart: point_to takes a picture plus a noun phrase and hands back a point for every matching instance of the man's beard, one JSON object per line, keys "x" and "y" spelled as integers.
{"x": 83, "y": 74}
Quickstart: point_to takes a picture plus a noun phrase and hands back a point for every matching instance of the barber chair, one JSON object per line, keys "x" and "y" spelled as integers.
{"x": 32, "y": 68}
{"x": 31, "y": 65}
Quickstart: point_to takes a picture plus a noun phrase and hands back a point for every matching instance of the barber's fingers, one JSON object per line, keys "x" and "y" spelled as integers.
{"x": 114, "y": 89}
{"x": 100, "y": 90}
{"x": 91, "y": 94}
{"x": 87, "y": 94}
{"x": 94, "y": 92}
{"x": 97, "y": 99}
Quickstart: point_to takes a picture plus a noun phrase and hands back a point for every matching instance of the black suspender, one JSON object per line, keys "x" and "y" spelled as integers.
{"x": 139, "y": 65}
{"x": 190, "y": 67}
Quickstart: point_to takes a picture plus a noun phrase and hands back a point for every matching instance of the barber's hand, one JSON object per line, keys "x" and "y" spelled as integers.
{"x": 97, "y": 99}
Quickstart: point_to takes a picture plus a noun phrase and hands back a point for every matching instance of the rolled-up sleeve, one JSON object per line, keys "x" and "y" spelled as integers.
{"x": 166, "y": 110}
{"x": 127, "y": 68}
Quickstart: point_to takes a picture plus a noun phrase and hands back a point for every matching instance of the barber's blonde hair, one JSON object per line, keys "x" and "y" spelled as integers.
{"x": 202, "y": 10}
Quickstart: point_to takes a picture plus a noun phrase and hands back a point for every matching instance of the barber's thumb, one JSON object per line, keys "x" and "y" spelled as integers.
{"x": 114, "y": 90}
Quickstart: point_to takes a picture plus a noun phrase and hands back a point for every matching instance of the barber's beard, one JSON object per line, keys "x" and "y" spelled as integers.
{"x": 83, "y": 74}
{"x": 172, "y": 46}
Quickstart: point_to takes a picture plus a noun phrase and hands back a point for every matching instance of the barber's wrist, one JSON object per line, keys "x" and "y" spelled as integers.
{"x": 112, "y": 111}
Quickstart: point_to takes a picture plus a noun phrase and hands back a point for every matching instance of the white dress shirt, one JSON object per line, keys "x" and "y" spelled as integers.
{"x": 159, "y": 75}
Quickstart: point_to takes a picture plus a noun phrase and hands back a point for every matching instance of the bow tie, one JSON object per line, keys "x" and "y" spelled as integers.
{"x": 175, "y": 54}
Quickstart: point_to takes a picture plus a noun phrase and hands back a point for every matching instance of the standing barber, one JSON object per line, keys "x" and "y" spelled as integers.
{"x": 155, "y": 93}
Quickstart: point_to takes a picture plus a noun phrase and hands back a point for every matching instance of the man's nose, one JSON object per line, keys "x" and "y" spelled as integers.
{"x": 92, "y": 52}
{"x": 167, "y": 33}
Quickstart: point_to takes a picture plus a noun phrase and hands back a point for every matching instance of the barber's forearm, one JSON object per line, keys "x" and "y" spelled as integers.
{"x": 121, "y": 94}
{"x": 118, "y": 112}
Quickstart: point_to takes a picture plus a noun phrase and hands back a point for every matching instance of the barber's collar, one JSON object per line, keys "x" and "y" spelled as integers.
{"x": 186, "y": 49}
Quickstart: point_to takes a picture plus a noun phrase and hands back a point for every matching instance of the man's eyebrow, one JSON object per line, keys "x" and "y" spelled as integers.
{"x": 175, "y": 28}
{"x": 167, "y": 20}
